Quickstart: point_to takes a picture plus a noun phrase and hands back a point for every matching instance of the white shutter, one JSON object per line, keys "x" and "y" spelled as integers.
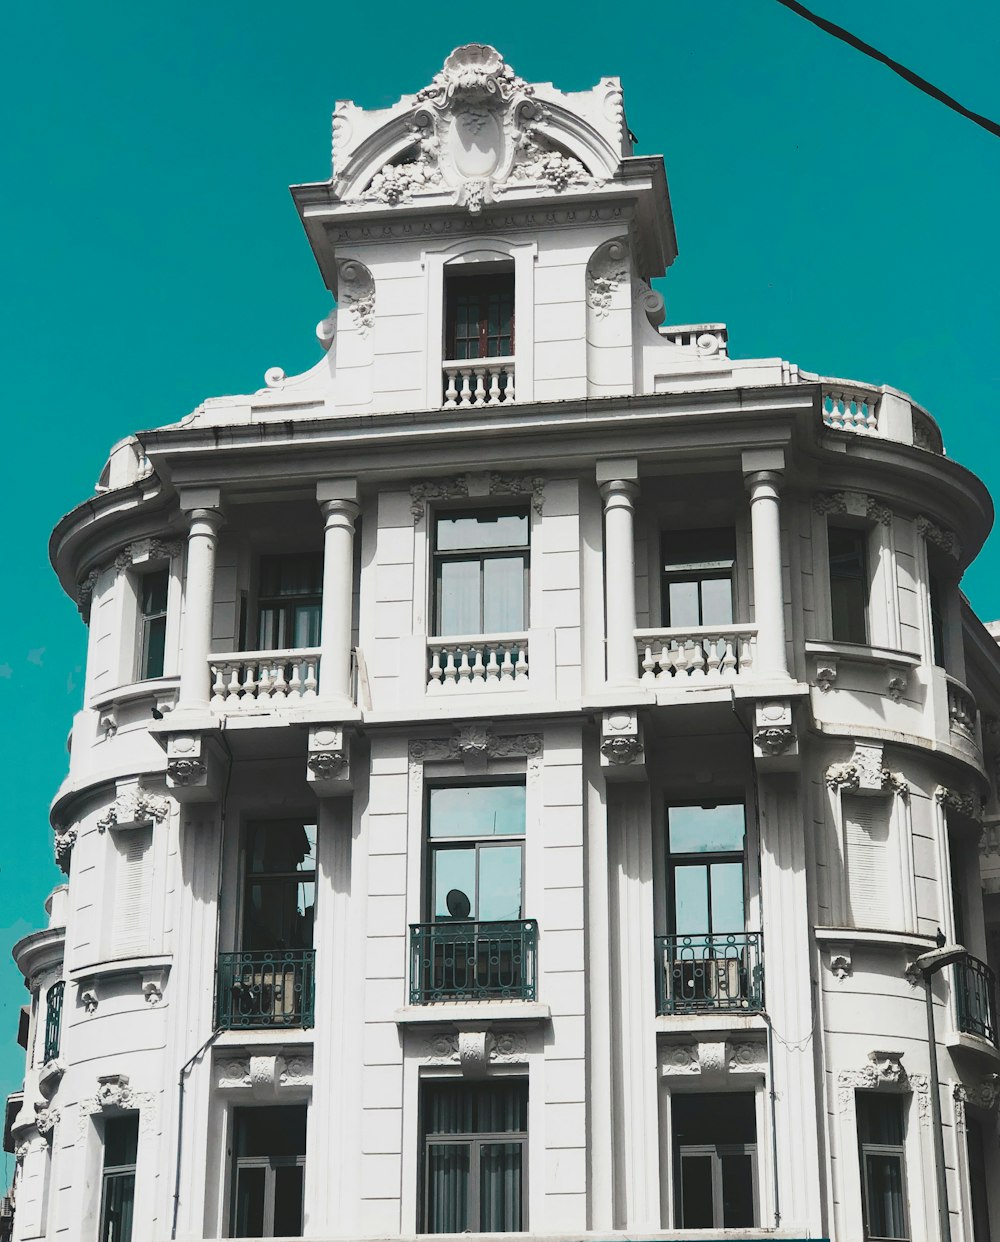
{"x": 130, "y": 934}
{"x": 871, "y": 862}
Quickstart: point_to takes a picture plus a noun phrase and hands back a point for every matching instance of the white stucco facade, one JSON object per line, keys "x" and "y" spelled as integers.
{"x": 643, "y": 477}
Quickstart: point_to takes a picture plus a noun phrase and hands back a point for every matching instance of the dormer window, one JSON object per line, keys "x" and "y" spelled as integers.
{"x": 480, "y": 317}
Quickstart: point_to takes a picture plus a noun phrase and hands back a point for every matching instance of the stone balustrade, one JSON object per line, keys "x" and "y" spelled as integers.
{"x": 686, "y": 656}
{"x": 962, "y": 710}
{"x": 252, "y": 680}
{"x": 480, "y": 662}
{"x": 851, "y": 409}
{"x": 479, "y": 381}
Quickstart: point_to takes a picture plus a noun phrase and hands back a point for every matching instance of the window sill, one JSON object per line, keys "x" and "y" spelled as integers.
{"x": 506, "y": 1012}
{"x": 868, "y": 935}
{"x": 159, "y": 688}
{"x": 702, "y": 1023}
{"x": 276, "y": 1038}
{"x": 985, "y": 1049}
{"x": 864, "y": 653}
{"x": 120, "y": 966}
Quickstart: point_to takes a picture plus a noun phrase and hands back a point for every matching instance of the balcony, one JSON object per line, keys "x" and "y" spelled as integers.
{"x": 454, "y": 961}
{"x": 685, "y": 658}
{"x": 265, "y": 990}
{"x": 710, "y": 974}
{"x": 976, "y": 998}
{"x": 477, "y": 662}
{"x": 483, "y": 381}
{"x": 263, "y": 680}
{"x": 53, "y": 1020}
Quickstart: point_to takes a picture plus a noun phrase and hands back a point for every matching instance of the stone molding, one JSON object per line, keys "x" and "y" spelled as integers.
{"x": 457, "y": 487}
{"x": 476, "y": 741}
{"x": 509, "y": 219}
{"x": 266, "y": 1077}
{"x": 857, "y": 504}
{"x": 356, "y": 291}
{"x": 607, "y": 271}
{"x": 885, "y": 1072}
{"x": 864, "y": 773}
{"x": 115, "y": 1094}
{"x": 983, "y": 1094}
{"x": 714, "y": 1057}
{"x": 134, "y": 807}
{"x": 474, "y": 1051}
{"x": 129, "y": 554}
{"x": 967, "y": 804}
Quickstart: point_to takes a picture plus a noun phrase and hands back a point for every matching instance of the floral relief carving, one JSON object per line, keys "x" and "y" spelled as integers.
{"x": 455, "y": 488}
{"x": 520, "y": 485}
{"x": 64, "y": 842}
{"x": 856, "y": 774}
{"x": 878, "y": 512}
{"x": 607, "y": 270}
{"x": 135, "y": 806}
{"x": 830, "y": 502}
{"x": 356, "y": 288}
{"x": 944, "y": 539}
{"x": 774, "y": 740}
{"x": 476, "y": 740}
{"x": 622, "y": 750}
{"x": 186, "y": 771}
{"x": 326, "y": 764}
{"x": 884, "y": 1070}
{"x": 966, "y": 804}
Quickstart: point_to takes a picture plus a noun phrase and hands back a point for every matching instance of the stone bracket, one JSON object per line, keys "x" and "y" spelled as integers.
{"x": 328, "y": 760}
{"x": 266, "y": 1076}
{"x": 623, "y": 755}
{"x": 194, "y": 768}
{"x": 775, "y": 740}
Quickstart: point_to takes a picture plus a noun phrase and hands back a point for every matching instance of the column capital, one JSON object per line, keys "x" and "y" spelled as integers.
{"x": 622, "y": 491}
{"x": 766, "y": 460}
{"x": 764, "y": 482}
{"x": 200, "y": 518}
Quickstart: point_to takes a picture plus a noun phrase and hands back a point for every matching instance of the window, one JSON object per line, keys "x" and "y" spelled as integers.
{"x": 715, "y": 1160}
{"x": 290, "y": 601}
{"x": 481, "y": 571}
{"x": 874, "y": 900}
{"x": 710, "y": 960}
{"x": 936, "y": 594}
{"x": 476, "y": 944}
{"x": 978, "y": 1180}
{"x": 697, "y": 582}
{"x": 706, "y": 846}
{"x": 474, "y": 1141}
{"x": 121, "y": 1142}
{"x": 480, "y": 317}
{"x": 883, "y": 1166}
{"x": 53, "y": 1020}
{"x": 268, "y": 1168}
{"x": 269, "y": 981}
{"x": 152, "y": 622}
{"x": 848, "y": 583}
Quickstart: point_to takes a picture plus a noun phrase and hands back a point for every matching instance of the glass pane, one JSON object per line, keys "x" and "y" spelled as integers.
{"x": 714, "y": 1117}
{"x": 691, "y": 901}
{"x": 249, "y": 1211}
{"x": 880, "y": 1119}
{"x": 682, "y": 604}
{"x": 269, "y": 634}
{"x": 684, "y": 548}
{"x": 306, "y": 625}
{"x": 477, "y": 811}
{"x": 737, "y": 1190}
{"x": 848, "y": 584}
{"x": 121, "y": 1140}
{"x": 117, "y": 1204}
{"x": 706, "y": 829}
{"x": 458, "y": 598}
{"x": 288, "y": 1201}
{"x": 502, "y": 1108}
{"x": 289, "y": 575}
{"x": 488, "y": 529}
{"x": 727, "y": 897}
{"x": 500, "y": 1187}
{"x": 696, "y": 1192}
{"x": 154, "y": 592}
{"x": 717, "y": 601}
{"x": 280, "y": 848}
{"x": 454, "y": 883}
{"x": 154, "y": 644}
{"x": 278, "y": 914}
{"x": 449, "y": 1108}
{"x": 278, "y": 1132}
{"x": 884, "y": 1179}
{"x": 503, "y": 594}
{"x": 500, "y": 883}
{"x": 447, "y": 1187}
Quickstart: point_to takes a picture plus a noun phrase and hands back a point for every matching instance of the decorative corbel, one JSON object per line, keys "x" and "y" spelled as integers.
{"x": 774, "y": 736}
{"x": 622, "y": 751}
{"x": 328, "y": 768}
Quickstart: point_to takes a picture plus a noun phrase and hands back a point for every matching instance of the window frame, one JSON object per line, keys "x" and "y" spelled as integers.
{"x": 248, "y": 877}
{"x": 113, "y": 1176}
{"x": 690, "y": 859}
{"x": 862, "y": 534}
{"x": 713, "y": 571}
{"x": 146, "y": 620}
{"x": 896, "y": 1150}
{"x": 284, "y": 606}
{"x": 474, "y": 1141}
{"x": 481, "y": 553}
{"x": 468, "y": 841}
{"x": 484, "y": 283}
{"x": 270, "y": 1164}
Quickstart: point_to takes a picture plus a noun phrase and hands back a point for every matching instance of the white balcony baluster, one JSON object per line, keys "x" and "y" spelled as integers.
{"x": 485, "y": 381}
{"x": 254, "y": 681}
{"x": 482, "y": 662}
{"x": 685, "y": 658}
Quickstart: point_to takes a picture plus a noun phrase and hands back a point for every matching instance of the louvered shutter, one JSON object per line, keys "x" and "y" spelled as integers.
{"x": 870, "y": 861}
{"x": 130, "y": 933}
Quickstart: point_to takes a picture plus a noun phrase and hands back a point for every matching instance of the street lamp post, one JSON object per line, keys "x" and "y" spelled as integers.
{"x": 929, "y": 964}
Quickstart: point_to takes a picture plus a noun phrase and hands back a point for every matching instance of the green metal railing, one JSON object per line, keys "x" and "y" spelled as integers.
{"x": 976, "y": 996}
{"x": 453, "y": 961}
{"x": 53, "y": 1019}
{"x": 257, "y": 990}
{"x": 724, "y": 973}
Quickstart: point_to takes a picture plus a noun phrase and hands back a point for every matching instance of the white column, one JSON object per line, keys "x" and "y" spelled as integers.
{"x": 202, "y": 505}
{"x": 338, "y": 502}
{"x": 619, "y": 488}
{"x": 768, "y": 594}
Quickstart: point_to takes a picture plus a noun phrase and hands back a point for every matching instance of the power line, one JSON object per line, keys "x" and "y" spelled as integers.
{"x": 907, "y": 75}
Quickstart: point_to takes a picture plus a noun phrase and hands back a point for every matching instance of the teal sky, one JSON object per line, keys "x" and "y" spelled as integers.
{"x": 825, "y": 210}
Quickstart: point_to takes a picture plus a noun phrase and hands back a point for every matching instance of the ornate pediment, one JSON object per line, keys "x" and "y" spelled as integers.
{"x": 476, "y": 132}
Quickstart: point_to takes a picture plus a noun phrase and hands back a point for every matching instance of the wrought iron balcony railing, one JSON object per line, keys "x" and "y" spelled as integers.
{"x": 257, "y": 990}
{"x": 724, "y": 973}
{"x": 456, "y": 961}
{"x": 976, "y": 997}
{"x": 53, "y": 1019}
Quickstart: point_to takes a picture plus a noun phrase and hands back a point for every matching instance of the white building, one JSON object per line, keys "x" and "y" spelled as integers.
{"x": 526, "y": 761}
